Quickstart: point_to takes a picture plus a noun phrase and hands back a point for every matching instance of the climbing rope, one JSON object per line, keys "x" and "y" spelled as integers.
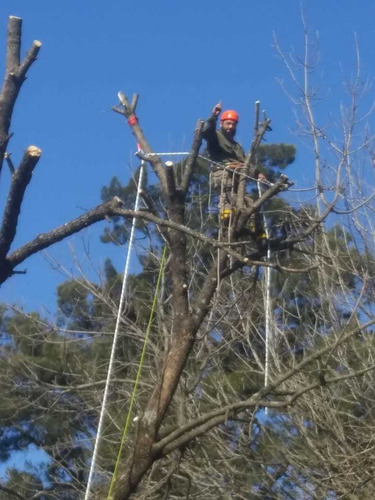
{"x": 267, "y": 299}
{"x": 115, "y": 337}
{"x": 215, "y": 163}
{"x": 222, "y": 167}
{"x": 138, "y": 376}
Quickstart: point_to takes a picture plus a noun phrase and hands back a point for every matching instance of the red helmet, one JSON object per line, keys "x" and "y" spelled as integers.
{"x": 229, "y": 115}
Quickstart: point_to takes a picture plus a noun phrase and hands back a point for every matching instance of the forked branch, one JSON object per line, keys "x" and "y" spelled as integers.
{"x": 15, "y": 74}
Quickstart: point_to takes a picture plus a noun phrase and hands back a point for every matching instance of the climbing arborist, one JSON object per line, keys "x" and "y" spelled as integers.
{"x": 224, "y": 150}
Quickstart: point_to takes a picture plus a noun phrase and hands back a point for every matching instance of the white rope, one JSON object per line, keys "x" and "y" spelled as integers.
{"x": 265, "y": 182}
{"x": 181, "y": 153}
{"x": 209, "y": 192}
{"x": 267, "y": 300}
{"x": 112, "y": 357}
{"x": 215, "y": 163}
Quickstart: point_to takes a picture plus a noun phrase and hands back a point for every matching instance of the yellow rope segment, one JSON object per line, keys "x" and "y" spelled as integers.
{"x": 132, "y": 399}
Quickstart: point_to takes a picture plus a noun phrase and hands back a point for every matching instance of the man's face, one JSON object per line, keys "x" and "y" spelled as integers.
{"x": 228, "y": 128}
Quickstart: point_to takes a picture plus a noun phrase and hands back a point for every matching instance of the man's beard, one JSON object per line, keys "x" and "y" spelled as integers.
{"x": 229, "y": 134}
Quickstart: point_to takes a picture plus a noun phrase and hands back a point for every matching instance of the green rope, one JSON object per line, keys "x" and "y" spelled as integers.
{"x": 132, "y": 399}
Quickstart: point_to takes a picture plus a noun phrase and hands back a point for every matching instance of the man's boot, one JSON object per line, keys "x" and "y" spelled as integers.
{"x": 257, "y": 231}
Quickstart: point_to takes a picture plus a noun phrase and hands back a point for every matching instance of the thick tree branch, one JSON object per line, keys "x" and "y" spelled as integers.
{"x": 259, "y": 134}
{"x": 20, "y": 181}
{"x": 181, "y": 340}
{"x": 129, "y": 111}
{"x": 192, "y": 156}
{"x": 114, "y": 208}
{"x": 15, "y": 74}
{"x": 45, "y": 240}
{"x": 182, "y": 335}
{"x": 13, "y": 44}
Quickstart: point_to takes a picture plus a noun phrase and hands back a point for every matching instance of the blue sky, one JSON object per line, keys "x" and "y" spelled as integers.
{"x": 181, "y": 57}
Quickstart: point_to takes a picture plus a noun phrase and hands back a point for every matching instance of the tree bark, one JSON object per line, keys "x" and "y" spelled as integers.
{"x": 15, "y": 74}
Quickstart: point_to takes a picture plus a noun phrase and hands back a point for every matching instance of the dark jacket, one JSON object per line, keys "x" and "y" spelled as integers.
{"x": 220, "y": 149}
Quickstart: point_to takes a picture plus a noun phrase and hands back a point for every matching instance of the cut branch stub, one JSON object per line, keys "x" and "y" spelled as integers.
{"x": 128, "y": 109}
{"x": 8, "y": 159}
{"x": 198, "y": 134}
{"x": 20, "y": 180}
{"x": 171, "y": 181}
{"x": 14, "y": 43}
{"x": 30, "y": 57}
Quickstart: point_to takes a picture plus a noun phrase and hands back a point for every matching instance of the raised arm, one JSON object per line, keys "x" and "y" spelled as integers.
{"x": 209, "y": 129}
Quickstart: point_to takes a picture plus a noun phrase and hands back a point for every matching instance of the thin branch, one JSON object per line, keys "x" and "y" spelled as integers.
{"x": 212, "y": 418}
{"x": 249, "y": 161}
{"x": 8, "y": 159}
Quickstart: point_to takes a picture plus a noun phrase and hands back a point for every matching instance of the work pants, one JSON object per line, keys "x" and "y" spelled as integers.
{"x": 225, "y": 182}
